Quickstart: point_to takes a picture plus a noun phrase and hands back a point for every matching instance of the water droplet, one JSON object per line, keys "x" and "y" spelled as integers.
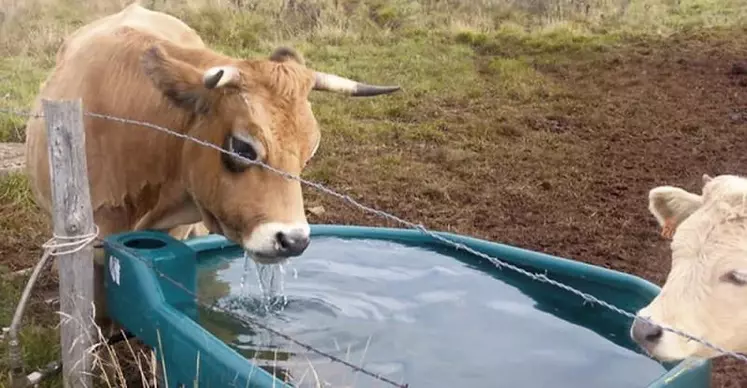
{"x": 245, "y": 275}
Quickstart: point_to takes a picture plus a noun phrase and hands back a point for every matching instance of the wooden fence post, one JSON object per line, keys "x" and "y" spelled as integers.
{"x": 72, "y": 216}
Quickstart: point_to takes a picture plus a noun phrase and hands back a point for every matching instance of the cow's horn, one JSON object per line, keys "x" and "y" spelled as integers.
{"x": 219, "y": 76}
{"x": 334, "y": 83}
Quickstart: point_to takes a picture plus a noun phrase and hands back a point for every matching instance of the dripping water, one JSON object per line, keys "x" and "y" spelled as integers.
{"x": 271, "y": 283}
{"x": 244, "y": 275}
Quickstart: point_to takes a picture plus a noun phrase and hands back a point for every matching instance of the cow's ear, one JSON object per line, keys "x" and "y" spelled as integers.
{"x": 184, "y": 84}
{"x": 283, "y": 53}
{"x": 672, "y": 205}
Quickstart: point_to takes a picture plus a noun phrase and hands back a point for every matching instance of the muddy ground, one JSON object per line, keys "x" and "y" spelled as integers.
{"x": 568, "y": 176}
{"x": 636, "y": 119}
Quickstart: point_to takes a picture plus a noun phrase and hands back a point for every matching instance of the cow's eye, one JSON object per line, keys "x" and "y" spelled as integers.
{"x": 245, "y": 149}
{"x": 736, "y": 277}
{"x": 242, "y": 148}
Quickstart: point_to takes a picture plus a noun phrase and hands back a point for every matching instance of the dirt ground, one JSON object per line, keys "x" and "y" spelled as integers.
{"x": 637, "y": 119}
{"x": 568, "y": 176}
{"x": 11, "y": 157}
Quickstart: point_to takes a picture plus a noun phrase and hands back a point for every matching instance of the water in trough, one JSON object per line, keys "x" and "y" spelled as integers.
{"x": 415, "y": 316}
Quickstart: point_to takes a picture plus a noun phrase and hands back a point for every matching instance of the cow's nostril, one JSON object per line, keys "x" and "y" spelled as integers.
{"x": 292, "y": 244}
{"x": 646, "y": 332}
{"x": 655, "y": 334}
{"x": 282, "y": 240}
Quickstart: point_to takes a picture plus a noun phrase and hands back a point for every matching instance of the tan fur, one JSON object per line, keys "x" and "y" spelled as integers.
{"x": 137, "y": 172}
{"x": 147, "y": 66}
{"x": 709, "y": 245}
{"x": 134, "y": 16}
{"x": 185, "y": 232}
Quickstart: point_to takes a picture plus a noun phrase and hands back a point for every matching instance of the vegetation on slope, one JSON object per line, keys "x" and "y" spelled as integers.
{"x": 505, "y": 107}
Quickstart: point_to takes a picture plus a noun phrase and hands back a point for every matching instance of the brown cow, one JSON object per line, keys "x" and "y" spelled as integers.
{"x": 148, "y": 66}
{"x": 170, "y": 28}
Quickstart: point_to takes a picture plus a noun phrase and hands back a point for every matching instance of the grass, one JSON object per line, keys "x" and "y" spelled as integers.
{"x": 482, "y": 80}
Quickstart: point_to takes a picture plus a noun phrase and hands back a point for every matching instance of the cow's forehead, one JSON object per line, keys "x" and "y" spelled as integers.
{"x": 723, "y": 187}
{"x": 287, "y": 81}
{"x": 710, "y": 236}
{"x": 291, "y": 120}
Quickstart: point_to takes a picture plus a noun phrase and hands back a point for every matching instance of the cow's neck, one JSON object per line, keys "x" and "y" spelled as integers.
{"x": 169, "y": 213}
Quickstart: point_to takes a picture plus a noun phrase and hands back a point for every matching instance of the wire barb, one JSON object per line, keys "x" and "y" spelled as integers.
{"x": 248, "y": 320}
{"x": 346, "y": 198}
{"x": 21, "y": 113}
{"x": 495, "y": 261}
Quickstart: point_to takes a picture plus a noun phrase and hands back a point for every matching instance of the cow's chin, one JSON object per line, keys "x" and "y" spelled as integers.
{"x": 262, "y": 258}
{"x": 673, "y": 348}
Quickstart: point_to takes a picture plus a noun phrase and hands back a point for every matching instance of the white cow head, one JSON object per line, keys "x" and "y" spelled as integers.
{"x": 705, "y": 293}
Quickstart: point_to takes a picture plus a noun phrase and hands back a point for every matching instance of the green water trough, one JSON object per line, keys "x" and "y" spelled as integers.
{"x": 152, "y": 279}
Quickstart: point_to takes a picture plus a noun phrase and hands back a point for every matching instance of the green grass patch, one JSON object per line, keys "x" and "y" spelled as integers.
{"x": 39, "y": 336}
{"x": 323, "y": 170}
{"x": 19, "y": 215}
{"x": 230, "y": 31}
{"x": 667, "y": 17}
{"x": 15, "y": 192}
{"x": 519, "y": 80}
{"x": 40, "y": 340}
{"x": 20, "y": 78}
{"x": 556, "y": 41}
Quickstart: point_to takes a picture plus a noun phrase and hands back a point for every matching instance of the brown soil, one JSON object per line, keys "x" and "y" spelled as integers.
{"x": 571, "y": 177}
{"x": 568, "y": 175}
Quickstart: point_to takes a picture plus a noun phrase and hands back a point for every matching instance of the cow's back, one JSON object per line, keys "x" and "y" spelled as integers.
{"x": 134, "y": 16}
{"x": 100, "y": 64}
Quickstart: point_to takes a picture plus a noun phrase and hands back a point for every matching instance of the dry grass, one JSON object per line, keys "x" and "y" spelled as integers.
{"x": 32, "y": 30}
{"x": 493, "y": 89}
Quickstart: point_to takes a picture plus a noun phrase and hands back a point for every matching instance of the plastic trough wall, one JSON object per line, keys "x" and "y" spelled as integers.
{"x": 160, "y": 313}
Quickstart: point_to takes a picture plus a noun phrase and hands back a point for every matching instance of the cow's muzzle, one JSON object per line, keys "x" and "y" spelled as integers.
{"x": 293, "y": 243}
{"x": 274, "y": 242}
{"x": 645, "y": 333}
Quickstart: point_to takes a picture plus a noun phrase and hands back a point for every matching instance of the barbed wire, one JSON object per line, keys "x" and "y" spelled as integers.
{"x": 248, "y": 320}
{"x": 76, "y": 243}
{"x": 420, "y": 227}
{"x": 79, "y": 242}
{"x": 21, "y": 113}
